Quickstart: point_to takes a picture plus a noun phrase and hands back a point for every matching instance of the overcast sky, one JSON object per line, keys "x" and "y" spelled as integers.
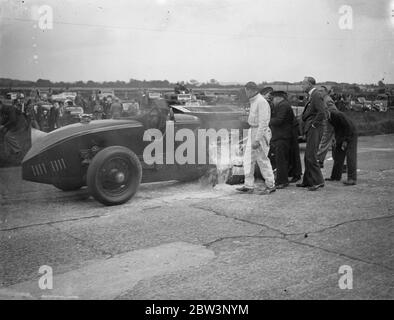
{"x": 228, "y": 40}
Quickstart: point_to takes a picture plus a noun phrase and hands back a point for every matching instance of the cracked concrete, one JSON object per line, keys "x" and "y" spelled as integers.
{"x": 288, "y": 245}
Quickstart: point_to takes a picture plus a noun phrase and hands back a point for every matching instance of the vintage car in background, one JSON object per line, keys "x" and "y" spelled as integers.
{"x": 14, "y": 95}
{"x": 106, "y": 93}
{"x": 71, "y": 113}
{"x": 216, "y": 117}
{"x": 107, "y": 155}
{"x": 62, "y": 97}
{"x": 178, "y": 98}
{"x": 130, "y": 108}
{"x": 154, "y": 95}
{"x": 382, "y": 102}
{"x": 378, "y": 103}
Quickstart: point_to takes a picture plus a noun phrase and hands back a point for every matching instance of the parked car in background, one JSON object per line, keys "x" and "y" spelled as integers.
{"x": 106, "y": 93}
{"x": 367, "y": 103}
{"x": 62, "y": 97}
{"x": 382, "y": 102}
{"x": 71, "y": 113}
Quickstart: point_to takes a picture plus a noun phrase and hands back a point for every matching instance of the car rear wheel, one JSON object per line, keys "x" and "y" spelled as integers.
{"x": 69, "y": 186}
{"x": 114, "y": 175}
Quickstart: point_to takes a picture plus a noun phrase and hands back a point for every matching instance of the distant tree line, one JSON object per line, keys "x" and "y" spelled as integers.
{"x": 212, "y": 83}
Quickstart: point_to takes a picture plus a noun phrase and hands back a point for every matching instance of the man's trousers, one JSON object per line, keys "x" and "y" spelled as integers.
{"x": 339, "y": 155}
{"x": 295, "y": 168}
{"x": 259, "y": 156}
{"x": 312, "y": 174}
{"x": 281, "y": 149}
{"x": 326, "y": 141}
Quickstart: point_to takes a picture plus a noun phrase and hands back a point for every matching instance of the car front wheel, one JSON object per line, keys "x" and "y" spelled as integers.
{"x": 114, "y": 175}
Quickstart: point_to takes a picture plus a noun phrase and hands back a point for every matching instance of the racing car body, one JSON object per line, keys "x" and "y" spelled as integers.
{"x": 105, "y": 155}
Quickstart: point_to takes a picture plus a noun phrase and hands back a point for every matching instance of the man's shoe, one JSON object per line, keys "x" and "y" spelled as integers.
{"x": 316, "y": 187}
{"x": 331, "y": 179}
{"x": 295, "y": 179}
{"x": 350, "y": 183}
{"x": 266, "y": 191}
{"x": 301, "y": 185}
{"x": 245, "y": 189}
{"x": 282, "y": 186}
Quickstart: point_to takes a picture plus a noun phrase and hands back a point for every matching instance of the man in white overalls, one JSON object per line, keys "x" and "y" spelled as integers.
{"x": 258, "y": 144}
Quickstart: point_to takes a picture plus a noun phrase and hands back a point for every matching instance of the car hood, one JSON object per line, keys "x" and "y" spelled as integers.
{"x": 77, "y": 129}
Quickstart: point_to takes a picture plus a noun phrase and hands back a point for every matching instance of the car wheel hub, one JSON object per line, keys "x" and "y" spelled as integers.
{"x": 120, "y": 177}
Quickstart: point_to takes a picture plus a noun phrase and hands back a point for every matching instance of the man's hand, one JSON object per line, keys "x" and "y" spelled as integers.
{"x": 344, "y": 145}
{"x": 2, "y": 129}
{"x": 255, "y": 145}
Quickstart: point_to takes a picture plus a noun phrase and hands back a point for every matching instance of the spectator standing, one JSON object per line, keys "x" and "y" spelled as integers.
{"x": 116, "y": 109}
{"x": 312, "y": 117}
{"x": 281, "y": 124}
{"x": 258, "y": 144}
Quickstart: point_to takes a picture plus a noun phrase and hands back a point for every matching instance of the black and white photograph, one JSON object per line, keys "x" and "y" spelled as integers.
{"x": 220, "y": 152}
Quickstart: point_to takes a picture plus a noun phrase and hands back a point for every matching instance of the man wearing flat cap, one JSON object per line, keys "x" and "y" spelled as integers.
{"x": 282, "y": 119}
{"x": 258, "y": 144}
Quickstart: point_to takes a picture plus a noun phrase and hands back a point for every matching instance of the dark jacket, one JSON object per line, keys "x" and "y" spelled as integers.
{"x": 314, "y": 112}
{"x": 282, "y": 120}
{"x": 344, "y": 128}
{"x": 8, "y": 116}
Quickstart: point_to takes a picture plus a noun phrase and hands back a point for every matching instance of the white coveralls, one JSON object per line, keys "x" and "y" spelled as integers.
{"x": 259, "y": 118}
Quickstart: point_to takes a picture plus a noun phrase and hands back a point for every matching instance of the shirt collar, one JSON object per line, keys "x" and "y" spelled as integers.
{"x": 254, "y": 97}
{"x": 311, "y": 91}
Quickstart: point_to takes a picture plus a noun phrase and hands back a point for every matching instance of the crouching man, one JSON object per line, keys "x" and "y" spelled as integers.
{"x": 258, "y": 144}
{"x": 345, "y": 147}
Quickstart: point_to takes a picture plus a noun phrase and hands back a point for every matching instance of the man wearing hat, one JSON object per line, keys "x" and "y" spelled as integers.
{"x": 257, "y": 147}
{"x": 267, "y": 94}
{"x": 281, "y": 124}
{"x": 312, "y": 118}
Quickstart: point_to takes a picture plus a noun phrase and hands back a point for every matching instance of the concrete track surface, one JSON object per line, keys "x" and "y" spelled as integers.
{"x": 191, "y": 241}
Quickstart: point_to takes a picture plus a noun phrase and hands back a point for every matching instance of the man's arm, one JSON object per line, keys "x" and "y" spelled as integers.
{"x": 318, "y": 103}
{"x": 264, "y": 116}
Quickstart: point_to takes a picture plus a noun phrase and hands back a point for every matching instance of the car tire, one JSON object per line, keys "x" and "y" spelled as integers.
{"x": 114, "y": 175}
{"x": 68, "y": 186}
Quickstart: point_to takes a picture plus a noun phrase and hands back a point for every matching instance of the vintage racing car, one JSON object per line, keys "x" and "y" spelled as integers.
{"x": 107, "y": 156}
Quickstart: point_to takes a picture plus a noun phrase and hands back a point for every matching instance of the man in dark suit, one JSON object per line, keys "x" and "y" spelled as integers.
{"x": 295, "y": 168}
{"x": 281, "y": 125}
{"x": 312, "y": 119}
{"x": 345, "y": 146}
